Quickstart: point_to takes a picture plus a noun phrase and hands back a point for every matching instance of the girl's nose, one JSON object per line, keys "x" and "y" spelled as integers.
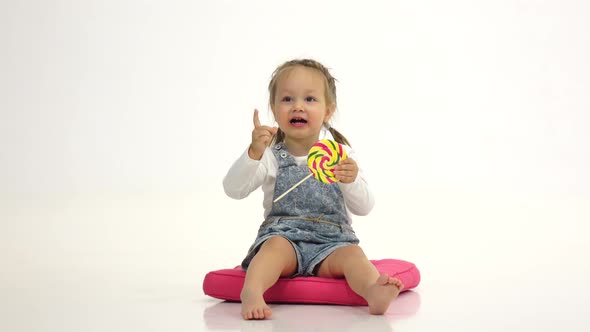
{"x": 298, "y": 105}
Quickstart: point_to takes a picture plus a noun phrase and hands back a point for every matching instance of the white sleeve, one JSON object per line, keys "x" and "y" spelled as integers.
{"x": 357, "y": 195}
{"x": 245, "y": 175}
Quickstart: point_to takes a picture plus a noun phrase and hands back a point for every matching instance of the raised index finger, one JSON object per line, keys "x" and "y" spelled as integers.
{"x": 256, "y": 119}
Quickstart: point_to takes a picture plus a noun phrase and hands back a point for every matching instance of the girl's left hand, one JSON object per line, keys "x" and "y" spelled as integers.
{"x": 346, "y": 171}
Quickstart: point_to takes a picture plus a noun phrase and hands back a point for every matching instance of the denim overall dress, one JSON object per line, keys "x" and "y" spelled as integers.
{"x": 312, "y": 217}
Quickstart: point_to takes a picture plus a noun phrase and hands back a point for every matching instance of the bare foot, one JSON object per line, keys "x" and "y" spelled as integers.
{"x": 380, "y": 294}
{"x": 253, "y": 306}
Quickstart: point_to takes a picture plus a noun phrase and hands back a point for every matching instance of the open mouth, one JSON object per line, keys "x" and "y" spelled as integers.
{"x": 298, "y": 121}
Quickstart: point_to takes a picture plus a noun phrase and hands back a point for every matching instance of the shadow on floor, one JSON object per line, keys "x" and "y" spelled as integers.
{"x": 300, "y": 317}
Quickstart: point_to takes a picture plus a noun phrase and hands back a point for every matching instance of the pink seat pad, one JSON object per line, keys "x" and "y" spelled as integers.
{"x": 227, "y": 284}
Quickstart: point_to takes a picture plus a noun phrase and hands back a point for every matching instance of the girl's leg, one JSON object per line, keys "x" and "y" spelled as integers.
{"x": 275, "y": 258}
{"x": 351, "y": 263}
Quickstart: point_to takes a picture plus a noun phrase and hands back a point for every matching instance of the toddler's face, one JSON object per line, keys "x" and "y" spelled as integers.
{"x": 300, "y": 106}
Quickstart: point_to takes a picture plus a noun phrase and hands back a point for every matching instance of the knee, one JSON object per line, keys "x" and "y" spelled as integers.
{"x": 352, "y": 251}
{"x": 276, "y": 243}
{"x": 280, "y": 250}
{"x": 336, "y": 263}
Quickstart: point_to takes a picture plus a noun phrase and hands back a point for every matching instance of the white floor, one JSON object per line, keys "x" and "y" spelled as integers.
{"x": 136, "y": 262}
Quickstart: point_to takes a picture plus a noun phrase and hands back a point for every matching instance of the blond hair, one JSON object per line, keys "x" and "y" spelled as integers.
{"x": 330, "y": 92}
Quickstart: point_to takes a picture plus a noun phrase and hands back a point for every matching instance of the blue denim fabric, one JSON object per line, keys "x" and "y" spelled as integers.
{"x": 312, "y": 217}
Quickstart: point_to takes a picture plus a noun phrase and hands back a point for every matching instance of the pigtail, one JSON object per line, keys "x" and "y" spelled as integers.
{"x": 277, "y": 138}
{"x": 338, "y": 137}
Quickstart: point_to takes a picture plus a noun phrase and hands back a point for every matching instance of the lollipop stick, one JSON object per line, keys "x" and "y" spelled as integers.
{"x": 294, "y": 186}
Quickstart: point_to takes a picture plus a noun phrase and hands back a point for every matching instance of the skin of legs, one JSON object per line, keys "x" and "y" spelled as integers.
{"x": 361, "y": 275}
{"x": 275, "y": 258}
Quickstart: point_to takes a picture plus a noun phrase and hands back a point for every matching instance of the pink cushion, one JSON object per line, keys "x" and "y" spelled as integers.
{"x": 227, "y": 284}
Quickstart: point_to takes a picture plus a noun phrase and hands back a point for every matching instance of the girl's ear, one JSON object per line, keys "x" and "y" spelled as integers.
{"x": 329, "y": 112}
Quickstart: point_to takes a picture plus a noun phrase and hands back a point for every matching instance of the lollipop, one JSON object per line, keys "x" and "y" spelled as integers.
{"x": 321, "y": 160}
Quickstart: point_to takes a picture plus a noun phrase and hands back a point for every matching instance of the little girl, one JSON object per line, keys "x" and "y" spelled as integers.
{"x": 308, "y": 232}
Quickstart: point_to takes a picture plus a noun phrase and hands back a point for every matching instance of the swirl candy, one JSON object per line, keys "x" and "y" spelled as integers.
{"x": 321, "y": 160}
{"x": 323, "y": 157}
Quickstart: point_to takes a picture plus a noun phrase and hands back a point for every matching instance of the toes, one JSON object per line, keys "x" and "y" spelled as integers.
{"x": 258, "y": 313}
{"x": 396, "y": 282}
{"x": 251, "y": 314}
{"x": 383, "y": 279}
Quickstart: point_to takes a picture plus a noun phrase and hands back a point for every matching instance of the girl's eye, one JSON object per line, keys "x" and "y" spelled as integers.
{"x": 287, "y": 99}
{"x": 310, "y": 99}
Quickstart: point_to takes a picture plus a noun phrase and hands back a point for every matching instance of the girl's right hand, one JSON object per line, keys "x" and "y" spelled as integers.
{"x": 261, "y": 136}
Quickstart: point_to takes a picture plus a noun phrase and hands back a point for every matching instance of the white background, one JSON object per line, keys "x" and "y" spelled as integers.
{"x": 119, "y": 119}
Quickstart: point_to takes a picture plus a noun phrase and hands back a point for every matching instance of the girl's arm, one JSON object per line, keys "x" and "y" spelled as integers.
{"x": 245, "y": 175}
{"x": 357, "y": 194}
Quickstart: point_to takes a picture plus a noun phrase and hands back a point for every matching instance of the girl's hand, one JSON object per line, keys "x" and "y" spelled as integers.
{"x": 261, "y": 136}
{"x": 346, "y": 170}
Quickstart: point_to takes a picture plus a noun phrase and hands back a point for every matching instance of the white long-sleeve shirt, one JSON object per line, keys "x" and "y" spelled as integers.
{"x": 246, "y": 175}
